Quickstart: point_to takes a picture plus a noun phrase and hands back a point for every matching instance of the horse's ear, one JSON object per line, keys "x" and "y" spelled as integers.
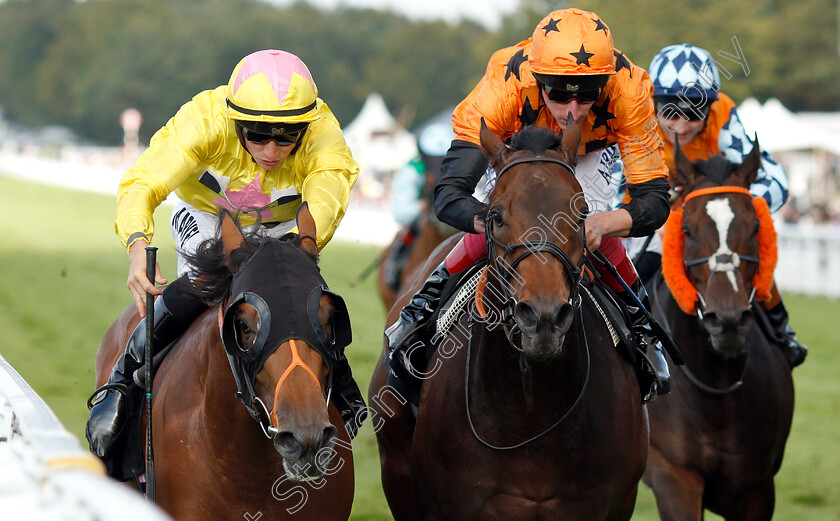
{"x": 748, "y": 170}
{"x": 685, "y": 174}
{"x": 307, "y": 230}
{"x": 491, "y": 145}
{"x": 231, "y": 234}
{"x": 571, "y": 137}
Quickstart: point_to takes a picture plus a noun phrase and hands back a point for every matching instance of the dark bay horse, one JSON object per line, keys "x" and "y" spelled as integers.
{"x": 262, "y": 340}
{"x": 547, "y": 425}
{"x": 718, "y": 439}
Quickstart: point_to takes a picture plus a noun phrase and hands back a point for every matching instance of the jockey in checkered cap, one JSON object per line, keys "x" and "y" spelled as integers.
{"x": 691, "y": 109}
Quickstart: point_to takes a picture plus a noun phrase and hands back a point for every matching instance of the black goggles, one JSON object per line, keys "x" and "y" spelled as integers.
{"x": 282, "y": 139}
{"x": 564, "y": 96}
{"x": 670, "y": 111}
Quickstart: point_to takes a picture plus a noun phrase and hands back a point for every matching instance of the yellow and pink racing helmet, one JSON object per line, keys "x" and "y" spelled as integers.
{"x": 272, "y": 93}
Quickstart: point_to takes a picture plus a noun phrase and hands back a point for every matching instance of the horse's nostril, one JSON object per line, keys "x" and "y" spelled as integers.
{"x": 746, "y": 319}
{"x": 563, "y": 316}
{"x": 329, "y": 434}
{"x": 525, "y": 316}
{"x": 288, "y": 444}
{"x": 712, "y": 323}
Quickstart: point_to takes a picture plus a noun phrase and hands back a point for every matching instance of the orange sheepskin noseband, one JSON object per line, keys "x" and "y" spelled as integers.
{"x": 673, "y": 251}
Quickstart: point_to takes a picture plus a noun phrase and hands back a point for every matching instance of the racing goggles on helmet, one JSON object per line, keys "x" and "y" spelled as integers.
{"x": 283, "y": 134}
{"x": 673, "y": 107}
{"x": 565, "y": 88}
{"x": 562, "y": 96}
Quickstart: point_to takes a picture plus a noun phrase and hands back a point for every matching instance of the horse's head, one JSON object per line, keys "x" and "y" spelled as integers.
{"x": 718, "y": 252}
{"x": 535, "y": 232}
{"x": 283, "y": 330}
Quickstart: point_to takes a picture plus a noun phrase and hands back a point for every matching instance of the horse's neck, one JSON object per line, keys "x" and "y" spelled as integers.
{"x": 505, "y": 379}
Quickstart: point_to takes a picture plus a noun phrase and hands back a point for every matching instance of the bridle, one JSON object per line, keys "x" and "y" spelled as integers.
{"x": 723, "y": 262}
{"x": 506, "y": 270}
{"x": 720, "y": 263}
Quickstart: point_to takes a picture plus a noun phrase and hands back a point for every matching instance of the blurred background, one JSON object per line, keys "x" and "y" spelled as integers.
{"x": 84, "y": 85}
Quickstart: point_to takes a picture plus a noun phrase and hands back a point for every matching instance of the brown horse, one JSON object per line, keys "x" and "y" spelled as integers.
{"x": 269, "y": 346}
{"x": 527, "y": 412}
{"x": 718, "y": 439}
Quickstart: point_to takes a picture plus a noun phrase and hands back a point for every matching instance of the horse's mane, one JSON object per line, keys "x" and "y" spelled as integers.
{"x": 210, "y": 269}
{"x": 715, "y": 169}
{"x": 536, "y": 139}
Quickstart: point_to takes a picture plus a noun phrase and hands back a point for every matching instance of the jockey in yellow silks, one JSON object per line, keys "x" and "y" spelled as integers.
{"x": 260, "y": 146}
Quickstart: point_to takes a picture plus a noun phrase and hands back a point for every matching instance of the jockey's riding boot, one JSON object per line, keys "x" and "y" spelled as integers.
{"x": 413, "y": 318}
{"x": 785, "y": 337}
{"x": 109, "y": 405}
{"x": 654, "y": 363}
{"x": 347, "y": 397}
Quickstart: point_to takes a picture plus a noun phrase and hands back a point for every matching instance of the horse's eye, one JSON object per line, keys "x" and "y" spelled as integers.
{"x": 755, "y": 230}
{"x": 497, "y": 218}
{"x": 584, "y": 213}
{"x": 686, "y": 231}
{"x": 245, "y": 336}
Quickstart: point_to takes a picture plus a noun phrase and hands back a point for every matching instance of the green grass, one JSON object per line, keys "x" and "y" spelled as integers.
{"x": 63, "y": 283}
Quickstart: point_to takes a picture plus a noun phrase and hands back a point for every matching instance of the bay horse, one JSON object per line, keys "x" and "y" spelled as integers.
{"x": 546, "y": 425}
{"x": 718, "y": 439}
{"x": 266, "y": 344}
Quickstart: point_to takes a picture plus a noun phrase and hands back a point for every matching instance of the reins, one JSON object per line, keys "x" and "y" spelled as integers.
{"x": 553, "y": 425}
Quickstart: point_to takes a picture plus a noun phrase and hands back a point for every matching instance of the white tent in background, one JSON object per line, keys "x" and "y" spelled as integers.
{"x": 780, "y": 130}
{"x": 377, "y": 141}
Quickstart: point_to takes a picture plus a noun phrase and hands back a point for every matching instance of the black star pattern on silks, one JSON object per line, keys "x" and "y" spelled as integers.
{"x": 582, "y": 56}
{"x": 595, "y": 144}
{"x": 529, "y": 115}
{"x": 599, "y": 25}
{"x": 621, "y": 62}
{"x": 515, "y": 63}
{"x": 602, "y": 113}
{"x": 551, "y": 26}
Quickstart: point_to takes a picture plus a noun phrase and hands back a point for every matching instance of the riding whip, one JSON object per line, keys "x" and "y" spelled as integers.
{"x": 664, "y": 337}
{"x": 151, "y": 262}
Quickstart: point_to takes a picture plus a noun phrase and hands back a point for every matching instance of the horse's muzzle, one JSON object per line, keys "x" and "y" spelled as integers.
{"x": 728, "y": 330}
{"x": 306, "y": 454}
{"x": 543, "y": 327}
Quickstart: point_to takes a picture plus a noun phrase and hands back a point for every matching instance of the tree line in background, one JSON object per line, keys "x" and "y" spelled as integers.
{"x": 80, "y": 64}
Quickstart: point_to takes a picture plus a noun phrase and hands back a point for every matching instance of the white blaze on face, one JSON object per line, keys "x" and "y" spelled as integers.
{"x": 721, "y": 213}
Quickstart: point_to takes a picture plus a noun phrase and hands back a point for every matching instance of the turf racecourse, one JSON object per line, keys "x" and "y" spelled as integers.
{"x": 63, "y": 277}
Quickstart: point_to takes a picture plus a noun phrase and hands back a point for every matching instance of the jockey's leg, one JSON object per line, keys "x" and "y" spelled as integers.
{"x": 347, "y": 397}
{"x": 415, "y": 315}
{"x": 658, "y": 380}
{"x": 110, "y": 406}
{"x": 777, "y": 315}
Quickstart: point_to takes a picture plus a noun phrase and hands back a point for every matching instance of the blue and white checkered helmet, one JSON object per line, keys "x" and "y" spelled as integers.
{"x": 686, "y": 71}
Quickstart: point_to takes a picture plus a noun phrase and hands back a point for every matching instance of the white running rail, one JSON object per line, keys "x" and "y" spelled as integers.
{"x": 45, "y": 474}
